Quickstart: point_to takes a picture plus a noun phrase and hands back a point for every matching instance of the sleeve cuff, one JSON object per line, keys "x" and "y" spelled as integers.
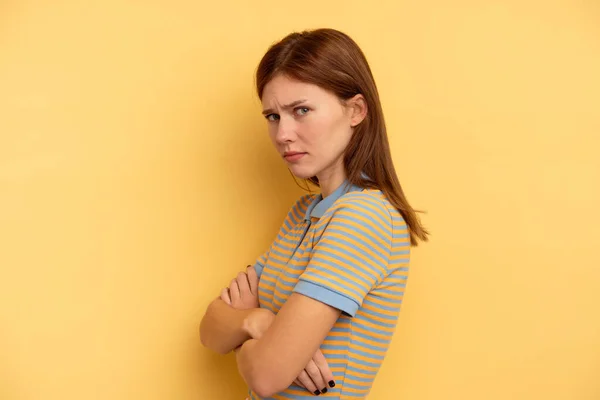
{"x": 327, "y": 296}
{"x": 258, "y": 267}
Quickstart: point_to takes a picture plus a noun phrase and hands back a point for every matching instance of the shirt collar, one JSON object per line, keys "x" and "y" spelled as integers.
{"x": 320, "y": 205}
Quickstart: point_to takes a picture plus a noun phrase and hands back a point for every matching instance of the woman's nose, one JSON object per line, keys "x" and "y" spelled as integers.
{"x": 285, "y": 132}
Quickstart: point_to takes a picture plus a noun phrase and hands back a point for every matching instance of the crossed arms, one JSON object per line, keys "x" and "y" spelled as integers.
{"x": 272, "y": 351}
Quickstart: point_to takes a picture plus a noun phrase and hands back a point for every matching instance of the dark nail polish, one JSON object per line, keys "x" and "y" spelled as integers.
{"x": 331, "y": 383}
{"x": 317, "y": 392}
{"x": 324, "y": 390}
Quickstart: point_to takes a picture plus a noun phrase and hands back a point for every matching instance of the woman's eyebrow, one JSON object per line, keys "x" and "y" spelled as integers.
{"x": 292, "y": 104}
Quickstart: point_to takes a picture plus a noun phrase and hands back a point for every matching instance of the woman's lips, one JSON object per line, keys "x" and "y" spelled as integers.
{"x": 293, "y": 156}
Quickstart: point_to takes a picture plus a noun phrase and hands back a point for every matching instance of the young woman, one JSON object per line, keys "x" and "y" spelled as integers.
{"x": 316, "y": 313}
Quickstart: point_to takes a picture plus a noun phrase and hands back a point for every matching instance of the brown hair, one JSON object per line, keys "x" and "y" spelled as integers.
{"x": 331, "y": 60}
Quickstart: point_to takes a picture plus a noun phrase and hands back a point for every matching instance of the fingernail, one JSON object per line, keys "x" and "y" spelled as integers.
{"x": 317, "y": 392}
{"x": 324, "y": 390}
{"x": 331, "y": 383}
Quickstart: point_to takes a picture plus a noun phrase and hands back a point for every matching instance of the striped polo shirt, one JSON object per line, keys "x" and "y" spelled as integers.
{"x": 350, "y": 250}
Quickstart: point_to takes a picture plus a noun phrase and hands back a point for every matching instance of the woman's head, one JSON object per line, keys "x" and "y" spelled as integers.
{"x": 311, "y": 127}
{"x": 325, "y": 116}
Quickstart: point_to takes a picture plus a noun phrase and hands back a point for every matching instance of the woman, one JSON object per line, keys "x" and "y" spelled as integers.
{"x": 316, "y": 313}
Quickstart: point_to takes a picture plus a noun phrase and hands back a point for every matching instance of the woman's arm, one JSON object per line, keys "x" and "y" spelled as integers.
{"x": 270, "y": 364}
{"x": 317, "y": 375}
{"x": 223, "y": 326}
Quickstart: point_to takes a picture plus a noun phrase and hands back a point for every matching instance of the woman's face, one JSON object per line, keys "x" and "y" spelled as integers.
{"x": 309, "y": 126}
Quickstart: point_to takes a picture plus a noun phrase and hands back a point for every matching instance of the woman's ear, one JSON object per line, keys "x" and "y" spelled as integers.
{"x": 358, "y": 108}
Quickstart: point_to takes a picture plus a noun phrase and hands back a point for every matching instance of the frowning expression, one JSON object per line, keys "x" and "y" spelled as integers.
{"x": 310, "y": 127}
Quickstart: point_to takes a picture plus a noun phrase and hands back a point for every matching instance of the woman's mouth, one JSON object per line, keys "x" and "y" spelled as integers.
{"x": 293, "y": 156}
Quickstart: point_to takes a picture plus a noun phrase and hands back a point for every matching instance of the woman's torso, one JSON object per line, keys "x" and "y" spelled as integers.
{"x": 355, "y": 347}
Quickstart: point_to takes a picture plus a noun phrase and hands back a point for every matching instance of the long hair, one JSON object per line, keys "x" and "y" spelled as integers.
{"x": 331, "y": 60}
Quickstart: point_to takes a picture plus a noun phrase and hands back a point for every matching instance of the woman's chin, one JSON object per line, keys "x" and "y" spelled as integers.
{"x": 301, "y": 173}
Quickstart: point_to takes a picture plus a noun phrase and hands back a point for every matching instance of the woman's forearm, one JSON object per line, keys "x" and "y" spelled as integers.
{"x": 222, "y": 327}
{"x": 249, "y": 366}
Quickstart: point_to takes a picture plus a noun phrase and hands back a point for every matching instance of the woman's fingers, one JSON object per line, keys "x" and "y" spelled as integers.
{"x": 323, "y": 366}
{"x": 242, "y": 293}
{"x": 225, "y": 296}
{"x": 234, "y": 292}
{"x": 306, "y": 382}
{"x": 252, "y": 279}
{"x": 243, "y": 284}
{"x": 315, "y": 375}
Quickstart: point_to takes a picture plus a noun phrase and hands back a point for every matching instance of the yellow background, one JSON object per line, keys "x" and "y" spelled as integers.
{"x": 136, "y": 177}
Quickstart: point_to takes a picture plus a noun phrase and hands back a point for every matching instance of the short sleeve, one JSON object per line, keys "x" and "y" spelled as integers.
{"x": 352, "y": 253}
{"x": 259, "y": 264}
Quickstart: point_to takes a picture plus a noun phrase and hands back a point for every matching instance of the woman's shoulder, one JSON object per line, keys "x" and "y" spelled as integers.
{"x": 371, "y": 203}
{"x": 366, "y": 199}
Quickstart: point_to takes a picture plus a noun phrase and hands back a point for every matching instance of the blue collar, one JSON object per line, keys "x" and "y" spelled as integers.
{"x": 320, "y": 205}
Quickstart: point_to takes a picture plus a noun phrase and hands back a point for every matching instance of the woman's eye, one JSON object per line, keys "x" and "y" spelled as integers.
{"x": 302, "y": 111}
{"x": 272, "y": 117}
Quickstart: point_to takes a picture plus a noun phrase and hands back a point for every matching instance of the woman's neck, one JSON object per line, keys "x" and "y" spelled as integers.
{"x": 331, "y": 179}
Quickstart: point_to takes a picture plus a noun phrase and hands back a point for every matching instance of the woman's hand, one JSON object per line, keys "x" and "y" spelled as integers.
{"x": 317, "y": 375}
{"x": 242, "y": 293}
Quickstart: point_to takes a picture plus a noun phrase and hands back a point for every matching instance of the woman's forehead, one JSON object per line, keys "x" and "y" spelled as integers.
{"x": 282, "y": 90}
